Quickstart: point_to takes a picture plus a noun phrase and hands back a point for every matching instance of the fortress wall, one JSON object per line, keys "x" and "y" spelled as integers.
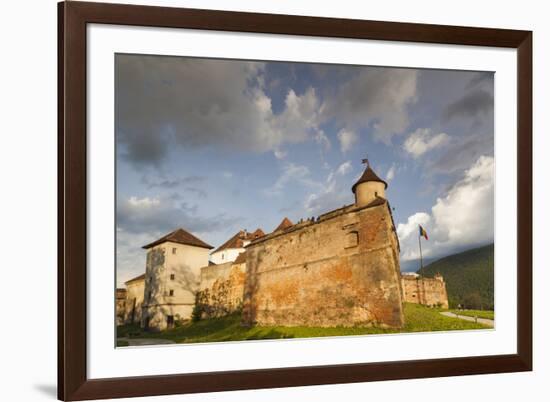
{"x": 134, "y": 301}
{"x": 120, "y": 306}
{"x": 342, "y": 271}
{"x": 426, "y": 291}
{"x": 212, "y": 273}
{"x": 221, "y": 290}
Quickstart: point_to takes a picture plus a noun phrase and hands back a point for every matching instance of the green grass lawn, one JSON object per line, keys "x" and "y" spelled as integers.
{"x": 490, "y": 315}
{"x": 417, "y": 319}
{"x": 121, "y": 343}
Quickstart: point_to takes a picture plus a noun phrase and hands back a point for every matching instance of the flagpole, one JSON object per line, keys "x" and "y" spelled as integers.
{"x": 420, "y": 247}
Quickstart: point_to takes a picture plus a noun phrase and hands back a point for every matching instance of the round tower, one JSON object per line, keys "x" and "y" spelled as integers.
{"x": 368, "y": 187}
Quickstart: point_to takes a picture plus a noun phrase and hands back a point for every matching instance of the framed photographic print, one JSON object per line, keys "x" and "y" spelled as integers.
{"x": 252, "y": 200}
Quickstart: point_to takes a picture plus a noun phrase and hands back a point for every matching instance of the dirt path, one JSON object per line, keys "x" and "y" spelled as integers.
{"x": 145, "y": 341}
{"x": 484, "y": 321}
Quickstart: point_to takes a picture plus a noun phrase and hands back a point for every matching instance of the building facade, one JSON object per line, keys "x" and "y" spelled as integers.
{"x": 172, "y": 278}
{"x": 430, "y": 292}
{"x": 120, "y": 306}
{"x": 135, "y": 289}
{"x": 230, "y": 250}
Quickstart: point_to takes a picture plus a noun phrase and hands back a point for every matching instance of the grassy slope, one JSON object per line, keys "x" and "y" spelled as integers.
{"x": 418, "y": 319}
{"x": 469, "y": 277}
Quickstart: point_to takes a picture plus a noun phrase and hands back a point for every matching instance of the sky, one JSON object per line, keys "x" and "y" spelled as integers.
{"x": 216, "y": 146}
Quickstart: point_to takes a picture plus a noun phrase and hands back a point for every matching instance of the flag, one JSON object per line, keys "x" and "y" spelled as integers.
{"x": 423, "y": 232}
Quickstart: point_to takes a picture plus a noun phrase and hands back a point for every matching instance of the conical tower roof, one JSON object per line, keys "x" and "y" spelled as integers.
{"x": 368, "y": 175}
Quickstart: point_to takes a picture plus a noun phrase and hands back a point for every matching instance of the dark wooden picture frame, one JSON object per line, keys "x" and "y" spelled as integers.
{"x": 73, "y": 383}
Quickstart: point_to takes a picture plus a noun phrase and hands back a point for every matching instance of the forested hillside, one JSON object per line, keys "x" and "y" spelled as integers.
{"x": 469, "y": 277}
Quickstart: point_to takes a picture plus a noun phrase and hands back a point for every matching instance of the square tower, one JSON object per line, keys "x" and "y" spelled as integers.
{"x": 172, "y": 278}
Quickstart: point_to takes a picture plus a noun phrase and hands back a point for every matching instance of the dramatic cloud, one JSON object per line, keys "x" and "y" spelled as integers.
{"x": 474, "y": 104}
{"x": 405, "y": 230}
{"x": 463, "y": 152}
{"x": 391, "y": 173}
{"x": 166, "y": 101}
{"x": 461, "y": 218}
{"x": 422, "y": 141}
{"x": 472, "y": 120}
{"x": 170, "y": 182}
{"x": 347, "y": 139}
{"x": 199, "y": 192}
{"x": 377, "y": 97}
{"x": 280, "y": 154}
{"x": 477, "y": 101}
{"x": 323, "y": 141}
{"x": 465, "y": 215}
{"x": 130, "y": 259}
{"x": 344, "y": 168}
{"x": 160, "y": 215}
{"x": 291, "y": 173}
{"x": 331, "y": 194}
{"x": 481, "y": 79}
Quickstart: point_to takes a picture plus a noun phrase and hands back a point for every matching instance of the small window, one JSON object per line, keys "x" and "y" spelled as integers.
{"x": 174, "y": 250}
{"x": 376, "y": 193}
{"x": 352, "y": 239}
{"x": 170, "y": 321}
{"x": 223, "y": 256}
{"x": 149, "y": 296}
{"x": 172, "y": 277}
{"x": 171, "y": 292}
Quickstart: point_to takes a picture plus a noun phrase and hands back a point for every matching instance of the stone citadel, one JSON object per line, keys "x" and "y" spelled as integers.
{"x": 339, "y": 269}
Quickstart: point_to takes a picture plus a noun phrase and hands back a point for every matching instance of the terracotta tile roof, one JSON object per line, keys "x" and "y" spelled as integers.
{"x": 180, "y": 236}
{"x": 137, "y": 278}
{"x": 368, "y": 175}
{"x": 285, "y": 223}
{"x": 257, "y": 233}
{"x": 237, "y": 241}
{"x": 241, "y": 258}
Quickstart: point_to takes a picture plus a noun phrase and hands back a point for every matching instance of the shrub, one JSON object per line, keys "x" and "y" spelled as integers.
{"x": 198, "y": 309}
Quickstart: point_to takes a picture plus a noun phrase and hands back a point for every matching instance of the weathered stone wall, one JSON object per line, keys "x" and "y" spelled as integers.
{"x": 222, "y": 288}
{"x": 134, "y": 301}
{"x": 341, "y": 270}
{"x": 427, "y": 291}
{"x": 120, "y": 306}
